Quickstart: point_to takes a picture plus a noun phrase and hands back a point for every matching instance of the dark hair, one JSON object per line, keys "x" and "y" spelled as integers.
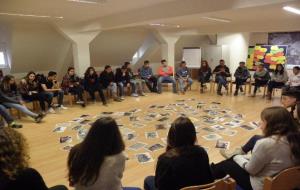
{"x": 126, "y": 64}
{"x": 280, "y": 72}
{"x": 297, "y": 68}
{"x": 222, "y": 60}
{"x": 107, "y": 67}
{"x": 242, "y": 62}
{"x": 162, "y": 61}
{"x": 146, "y": 62}
{"x": 182, "y": 62}
{"x": 182, "y": 133}
{"x": 87, "y": 71}
{"x": 85, "y": 159}
{"x": 1, "y": 73}
{"x": 123, "y": 67}
{"x": 52, "y": 73}
{"x": 5, "y": 83}
{"x": 28, "y": 74}
{"x": 280, "y": 122}
{"x": 70, "y": 68}
{"x": 292, "y": 92}
{"x": 204, "y": 68}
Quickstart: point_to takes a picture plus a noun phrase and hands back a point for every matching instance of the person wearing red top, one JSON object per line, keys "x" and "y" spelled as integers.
{"x": 165, "y": 74}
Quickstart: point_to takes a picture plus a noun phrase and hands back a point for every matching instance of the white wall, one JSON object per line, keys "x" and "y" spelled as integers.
{"x": 5, "y": 41}
{"x": 258, "y": 38}
{"x": 237, "y": 48}
{"x": 39, "y": 47}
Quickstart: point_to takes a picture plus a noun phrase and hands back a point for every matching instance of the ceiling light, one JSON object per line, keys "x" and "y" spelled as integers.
{"x": 165, "y": 25}
{"x": 30, "y": 15}
{"x": 216, "y": 19}
{"x": 89, "y": 1}
{"x": 292, "y": 9}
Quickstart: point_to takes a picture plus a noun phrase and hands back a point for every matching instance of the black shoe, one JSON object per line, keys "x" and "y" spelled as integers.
{"x": 219, "y": 93}
{"x": 104, "y": 104}
{"x": 235, "y": 93}
{"x": 15, "y": 125}
{"x": 39, "y": 118}
{"x": 83, "y": 105}
{"x": 241, "y": 89}
{"x": 117, "y": 100}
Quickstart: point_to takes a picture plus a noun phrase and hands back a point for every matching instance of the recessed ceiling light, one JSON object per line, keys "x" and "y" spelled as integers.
{"x": 89, "y": 1}
{"x": 30, "y": 15}
{"x": 216, "y": 19}
{"x": 292, "y": 9}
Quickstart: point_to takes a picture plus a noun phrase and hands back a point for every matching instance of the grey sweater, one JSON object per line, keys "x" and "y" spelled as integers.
{"x": 110, "y": 174}
{"x": 270, "y": 156}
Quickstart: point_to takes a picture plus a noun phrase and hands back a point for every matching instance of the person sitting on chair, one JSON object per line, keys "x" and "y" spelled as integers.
{"x": 29, "y": 90}
{"x": 50, "y": 88}
{"x": 5, "y": 114}
{"x": 294, "y": 79}
{"x": 184, "y": 163}
{"x": 107, "y": 80}
{"x": 71, "y": 84}
{"x": 278, "y": 80}
{"x": 241, "y": 75}
{"x": 204, "y": 75}
{"x": 91, "y": 84}
{"x": 136, "y": 82}
{"x": 147, "y": 75}
{"x": 165, "y": 73}
{"x": 222, "y": 72}
{"x": 15, "y": 171}
{"x": 122, "y": 80}
{"x": 184, "y": 77}
{"x": 9, "y": 89}
{"x": 261, "y": 77}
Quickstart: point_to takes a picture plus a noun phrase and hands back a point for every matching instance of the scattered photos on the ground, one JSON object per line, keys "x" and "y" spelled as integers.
{"x": 212, "y": 122}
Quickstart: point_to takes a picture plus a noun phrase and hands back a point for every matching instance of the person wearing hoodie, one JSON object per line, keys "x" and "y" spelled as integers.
{"x": 261, "y": 77}
{"x": 241, "y": 75}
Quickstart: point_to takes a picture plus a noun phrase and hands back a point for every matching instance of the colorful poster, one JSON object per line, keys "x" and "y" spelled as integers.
{"x": 269, "y": 55}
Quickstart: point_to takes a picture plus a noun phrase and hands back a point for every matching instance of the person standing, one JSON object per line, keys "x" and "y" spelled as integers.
{"x": 184, "y": 77}
{"x": 165, "y": 73}
{"x": 147, "y": 75}
{"x": 222, "y": 72}
{"x": 241, "y": 75}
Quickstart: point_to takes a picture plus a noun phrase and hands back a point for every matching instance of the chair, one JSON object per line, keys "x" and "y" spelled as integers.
{"x": 286, "y": 180}
{"x": 71, "y": 98}
{"x": 221, "y": 184}
{"x": 213, "y": 83}
{"x": 248, "y": 82}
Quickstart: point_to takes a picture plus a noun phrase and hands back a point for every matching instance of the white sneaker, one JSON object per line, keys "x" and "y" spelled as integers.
{"x": 80, "y": 102}
{"x": 134, "y": 95}
{"x": 51, "y": 110}
{"x": 122, "y": 98}
{"x": 63, "y": 107}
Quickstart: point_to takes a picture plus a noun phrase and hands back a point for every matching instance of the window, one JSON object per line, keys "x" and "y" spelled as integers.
{"x": 2, "y": 59}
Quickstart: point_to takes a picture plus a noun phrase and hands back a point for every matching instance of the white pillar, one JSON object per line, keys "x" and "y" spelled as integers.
{"x": 168, "y": 48}
{"x": 81, "y": 46}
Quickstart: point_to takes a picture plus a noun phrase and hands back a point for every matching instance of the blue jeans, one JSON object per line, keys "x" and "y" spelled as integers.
{"x": 136, "y": 85}
{"x": 182, "y": 83}
{"x": 4, "y": 113}
{"x": 166, "y": 79}
{"x": 48, "y": 96}
{"x": 149, "y": 183}
{"x": 21, "y": 108}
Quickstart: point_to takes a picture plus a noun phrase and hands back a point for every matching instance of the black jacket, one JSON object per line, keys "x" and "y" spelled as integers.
{"x": 182, "y": 167}
{"x": 106, "y": 78}
{"x": 120, "y": 78}
{"x": 224, "y": 74}
{"x": 4, "y": 98}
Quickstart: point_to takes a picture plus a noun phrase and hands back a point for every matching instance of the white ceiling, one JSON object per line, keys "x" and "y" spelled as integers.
{"x": 245, "y": 15}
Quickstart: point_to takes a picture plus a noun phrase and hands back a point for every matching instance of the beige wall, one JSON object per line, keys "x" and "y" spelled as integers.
{"x": 114, "y": 47}
{"x": 39, "y": 47}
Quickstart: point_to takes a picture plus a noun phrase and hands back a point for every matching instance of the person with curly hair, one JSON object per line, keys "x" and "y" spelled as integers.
{"x": 15, "y": 172}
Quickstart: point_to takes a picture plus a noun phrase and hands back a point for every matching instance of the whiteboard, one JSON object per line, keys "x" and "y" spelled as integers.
{"x": 192, "y": 57}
